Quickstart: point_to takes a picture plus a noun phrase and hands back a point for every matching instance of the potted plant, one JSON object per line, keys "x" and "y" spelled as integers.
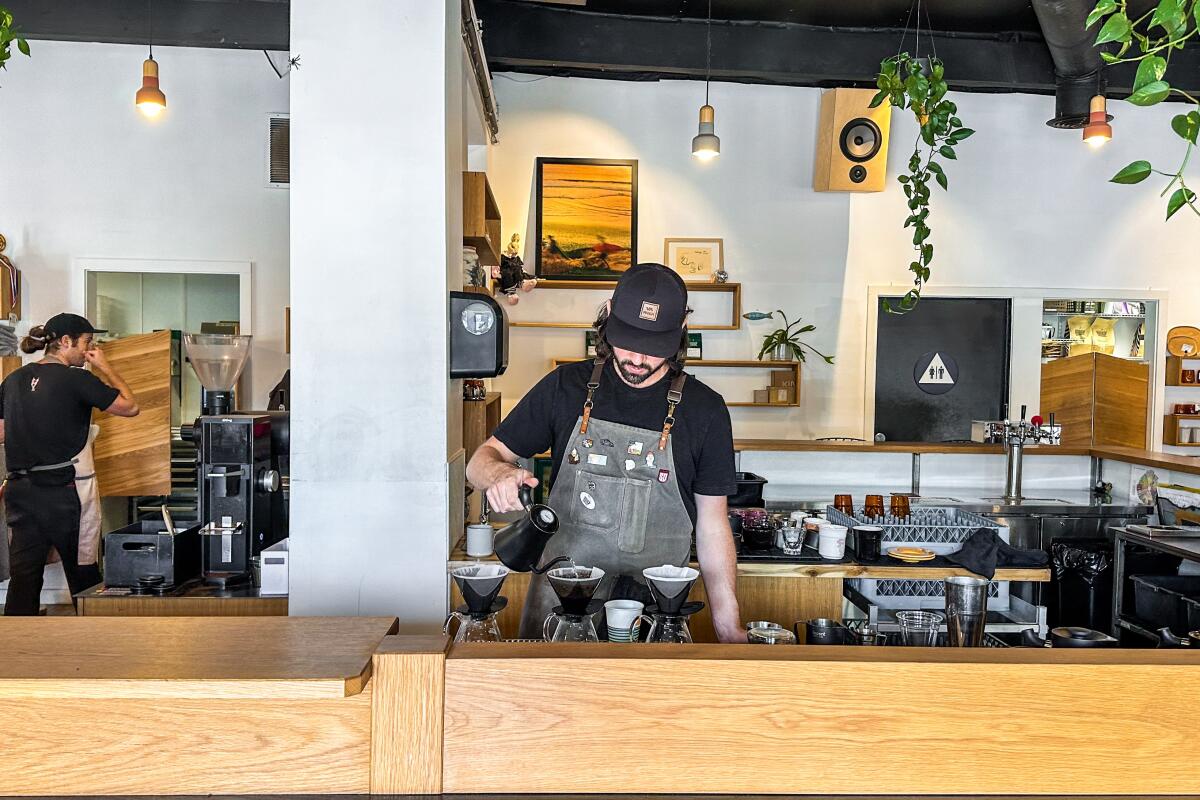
{"x": 784, "y": 344}
{"x": 9, "y": 34}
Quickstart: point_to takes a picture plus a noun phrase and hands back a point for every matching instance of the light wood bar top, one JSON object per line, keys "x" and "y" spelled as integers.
{"x": 1129, "y": 455}
{"x": 179, "y": 656}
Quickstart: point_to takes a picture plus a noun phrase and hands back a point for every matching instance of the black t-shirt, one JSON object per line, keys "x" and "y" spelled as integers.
{"x": 701, "y": 440}
{"x": 47, "y": 410}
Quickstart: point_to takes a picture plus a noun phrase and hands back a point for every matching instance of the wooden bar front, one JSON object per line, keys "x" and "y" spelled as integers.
{"x": 745, "y": 719}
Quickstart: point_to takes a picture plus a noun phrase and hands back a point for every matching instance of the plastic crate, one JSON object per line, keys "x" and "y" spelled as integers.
{"x": 1160, "y": 600}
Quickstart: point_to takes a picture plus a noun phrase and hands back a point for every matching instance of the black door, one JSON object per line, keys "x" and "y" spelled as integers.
{"x": 940, "y": 366}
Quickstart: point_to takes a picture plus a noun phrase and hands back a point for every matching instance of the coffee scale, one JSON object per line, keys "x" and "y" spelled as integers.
{"x": 571, "y": 620}
{"x": 480, "y": 586}
{"x": 669, "y": 586}
{"x": 238, "y": 456}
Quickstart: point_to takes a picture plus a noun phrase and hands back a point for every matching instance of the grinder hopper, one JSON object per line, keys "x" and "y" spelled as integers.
{"x": 218, "y": 360}
{"x": 480, "y": 584}
{"x": 670, "y": 586}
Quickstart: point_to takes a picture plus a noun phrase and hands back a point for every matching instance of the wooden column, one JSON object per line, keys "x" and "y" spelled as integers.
{"x": 407, "y": 715}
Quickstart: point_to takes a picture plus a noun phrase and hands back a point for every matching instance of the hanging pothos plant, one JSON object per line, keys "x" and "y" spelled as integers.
{"x": 9, "y": 34}
{"x": 1158, "y": 33}
{"x": 920, "y": 84}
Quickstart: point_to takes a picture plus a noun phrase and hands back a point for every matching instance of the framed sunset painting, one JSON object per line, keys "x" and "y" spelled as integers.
{"x": 586, "y": 218}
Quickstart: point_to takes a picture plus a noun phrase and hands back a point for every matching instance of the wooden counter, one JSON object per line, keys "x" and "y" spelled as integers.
{"x": 198, "y": 601}
{"x": 187, "y": 705}
{"x": 1128, "y": 455}
{"x": 616, "y": 718}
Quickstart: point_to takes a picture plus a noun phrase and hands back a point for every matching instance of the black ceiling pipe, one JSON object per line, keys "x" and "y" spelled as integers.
{"x": 1078, "y": 69}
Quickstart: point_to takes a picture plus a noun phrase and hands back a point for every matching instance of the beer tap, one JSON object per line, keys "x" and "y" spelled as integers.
{"x": 1016, "y": 435}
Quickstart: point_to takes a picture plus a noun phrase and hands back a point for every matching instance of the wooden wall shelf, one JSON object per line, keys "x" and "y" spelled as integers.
{"x": 732, "y": 289}
{"x": 721, "y": 364}
{"x": 1171, "y": 428}
{"x": 481, "y": 218}
{"x": 1175, "y": 367}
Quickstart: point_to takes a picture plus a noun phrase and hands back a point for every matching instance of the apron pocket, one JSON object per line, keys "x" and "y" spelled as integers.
{"x": 604, "y": 503}
{"x": 634, "y": 513}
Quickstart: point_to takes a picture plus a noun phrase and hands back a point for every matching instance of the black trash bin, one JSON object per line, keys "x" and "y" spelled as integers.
{"x": 1083, "y": 580}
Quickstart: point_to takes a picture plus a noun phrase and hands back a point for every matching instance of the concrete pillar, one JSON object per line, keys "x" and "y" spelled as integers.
{"x": 376, "y": 231}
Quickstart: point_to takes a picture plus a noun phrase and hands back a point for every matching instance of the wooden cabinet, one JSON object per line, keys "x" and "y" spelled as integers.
{"x": 133, "y": 455}
{"x": 1099, "y": 400}
{"x": 481, "y": 218}
{"x": 480, "y": 418}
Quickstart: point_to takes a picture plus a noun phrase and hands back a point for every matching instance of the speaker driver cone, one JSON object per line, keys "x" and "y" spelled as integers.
{"x": 860, "y": 139}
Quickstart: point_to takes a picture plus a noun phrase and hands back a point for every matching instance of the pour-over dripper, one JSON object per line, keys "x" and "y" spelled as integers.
{"x": 575, "y": 587}
{"x": 218, "y": 359}
{"x": 670, "y": 586}
{"x": 480, "y": 584}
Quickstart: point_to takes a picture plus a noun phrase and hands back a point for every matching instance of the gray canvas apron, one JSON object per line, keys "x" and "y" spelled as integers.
{"x": 619, "y": 507}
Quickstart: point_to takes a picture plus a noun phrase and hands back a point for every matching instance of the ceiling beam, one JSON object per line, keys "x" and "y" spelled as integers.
{"x": 235, "y": 24}
{"x": 555, "y": 40}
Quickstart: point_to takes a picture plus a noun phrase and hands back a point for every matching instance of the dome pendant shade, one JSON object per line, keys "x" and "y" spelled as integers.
{"x": 150, "y": 100}
{"x": 706, "y": 145}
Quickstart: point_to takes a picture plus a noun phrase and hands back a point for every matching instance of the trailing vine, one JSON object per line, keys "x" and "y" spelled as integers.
{"x": 9, "y": 33}
{"x": 1178, "y": 21}
{"x": 907, "y": 82}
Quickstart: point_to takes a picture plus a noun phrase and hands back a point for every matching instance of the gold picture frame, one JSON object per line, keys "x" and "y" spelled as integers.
{"x": 696, "y": 260}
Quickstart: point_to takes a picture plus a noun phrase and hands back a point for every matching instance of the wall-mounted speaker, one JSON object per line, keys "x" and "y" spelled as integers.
{"x": 852, "y": 142}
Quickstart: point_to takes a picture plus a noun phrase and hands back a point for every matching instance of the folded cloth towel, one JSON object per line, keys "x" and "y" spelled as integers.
{"x": 984, "y": 551}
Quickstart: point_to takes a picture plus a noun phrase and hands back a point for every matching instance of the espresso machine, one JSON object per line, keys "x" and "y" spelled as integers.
{"x": 241, "y": 508}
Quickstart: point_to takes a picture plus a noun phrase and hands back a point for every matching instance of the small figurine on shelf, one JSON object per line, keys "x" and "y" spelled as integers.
{"x": 474, "y": 389}
{"x": 511, "y": 272}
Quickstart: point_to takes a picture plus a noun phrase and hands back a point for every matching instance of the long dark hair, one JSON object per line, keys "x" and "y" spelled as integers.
{"x": 675, "y": 363}
{"x": 41, "y": 339}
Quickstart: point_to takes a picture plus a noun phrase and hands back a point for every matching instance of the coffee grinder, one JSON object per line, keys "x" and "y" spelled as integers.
{"x": 480, "y": 586}
{"x": 236, "y": 480}
{"x": 669, "y": 586}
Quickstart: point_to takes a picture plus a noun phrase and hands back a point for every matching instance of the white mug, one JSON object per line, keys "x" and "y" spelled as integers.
{"x": 620, "y": 615}
{"x": 479, "y": 540}
{"x": 832, "y": 541}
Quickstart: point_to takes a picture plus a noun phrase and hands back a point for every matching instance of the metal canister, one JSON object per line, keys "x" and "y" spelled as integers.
{"x": 771, "y": 636}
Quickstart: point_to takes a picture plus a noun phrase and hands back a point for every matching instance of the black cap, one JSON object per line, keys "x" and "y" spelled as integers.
{"x": 71, "y": 325}
{"x": 649, "y": 311}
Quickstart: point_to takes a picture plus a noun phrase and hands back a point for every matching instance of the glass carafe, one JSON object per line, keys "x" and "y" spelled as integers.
{"x": 474, "y": 627}
{"x": 668, "y": 628}
{"x": 569, "y": 628}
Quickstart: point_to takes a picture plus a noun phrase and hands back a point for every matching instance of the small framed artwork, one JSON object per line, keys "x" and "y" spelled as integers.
{"x": 589, "y": 342}
{"x": 586, "y": 218}
{"x": 696, "y": 260}
{"x": 695, "y": 347}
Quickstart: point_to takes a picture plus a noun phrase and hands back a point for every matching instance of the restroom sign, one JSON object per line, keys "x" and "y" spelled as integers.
{"x": 935, "y": 373}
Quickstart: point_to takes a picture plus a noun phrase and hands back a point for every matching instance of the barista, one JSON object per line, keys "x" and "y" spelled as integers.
{"x": 643, "y": 455}
{"x": 45, "y": 416}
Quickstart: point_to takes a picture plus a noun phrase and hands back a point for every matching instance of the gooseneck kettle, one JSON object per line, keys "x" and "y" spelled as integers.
{"x": 519, "y": 546}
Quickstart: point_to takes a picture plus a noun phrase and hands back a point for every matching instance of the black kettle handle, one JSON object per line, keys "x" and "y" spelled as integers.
{"x": 525, "y": 493}
{"x": 1029, "y": 638}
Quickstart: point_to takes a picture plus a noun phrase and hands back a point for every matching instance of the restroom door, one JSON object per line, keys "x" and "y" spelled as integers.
{"x": 941, "y": 366}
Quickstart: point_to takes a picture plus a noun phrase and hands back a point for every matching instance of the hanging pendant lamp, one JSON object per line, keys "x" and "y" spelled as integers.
{"x": 1098, "y": 131}
{"x": 150, "y": 99}
{"x": 705, "y": 144}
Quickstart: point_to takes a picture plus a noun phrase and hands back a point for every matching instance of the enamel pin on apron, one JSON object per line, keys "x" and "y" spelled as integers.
{"x": 573, "y": 456}
{"x": 607, "y": 442}
{"x": 629, "y": 465}
{"x": 634, "y": 449}
{"x": 664, "y": 475}
{"x": 588, "y": 443}
{"x": 599, "y": 459}
{"x": 588, "y": 501}
{"x": 650, "y": 460}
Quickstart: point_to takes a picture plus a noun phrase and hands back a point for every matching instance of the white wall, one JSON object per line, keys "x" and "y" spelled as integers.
{"x": 1028, "y": 206}
{"x": 86, "y": 175}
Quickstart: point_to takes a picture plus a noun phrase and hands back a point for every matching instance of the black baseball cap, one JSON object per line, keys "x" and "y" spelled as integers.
{"x": 71, "y": 325}
{"x": 649, "y": 311}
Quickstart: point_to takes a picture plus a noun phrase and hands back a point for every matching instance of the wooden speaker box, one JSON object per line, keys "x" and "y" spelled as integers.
{"x": 852, "y": 142}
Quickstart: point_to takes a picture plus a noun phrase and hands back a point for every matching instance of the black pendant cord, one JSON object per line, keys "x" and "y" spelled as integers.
{"x": 150, "y": 14}
{"x": 707, "y": 52}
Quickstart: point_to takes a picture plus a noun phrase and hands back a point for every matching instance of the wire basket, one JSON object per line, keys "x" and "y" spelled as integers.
{"x": 925, "y": 525}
